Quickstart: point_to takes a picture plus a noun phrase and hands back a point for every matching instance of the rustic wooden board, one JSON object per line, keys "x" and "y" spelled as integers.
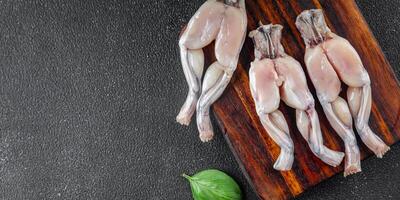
{"x": 235, "y": 112}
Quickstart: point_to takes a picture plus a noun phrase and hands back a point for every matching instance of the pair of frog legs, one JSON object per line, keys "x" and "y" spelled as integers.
{"x": 226, "y": 23}
{"x": 331, "y": 59}
{"x": 274, "y": 76}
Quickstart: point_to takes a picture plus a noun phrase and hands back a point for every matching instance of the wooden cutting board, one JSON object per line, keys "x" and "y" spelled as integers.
{"x": 255, "y": 151}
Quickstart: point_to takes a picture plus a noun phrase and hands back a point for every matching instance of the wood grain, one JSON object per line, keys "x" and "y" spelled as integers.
{"x": 235, "y": 111}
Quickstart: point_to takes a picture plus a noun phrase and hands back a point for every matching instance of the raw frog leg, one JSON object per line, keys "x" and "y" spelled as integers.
{"x": 273, "y": 76}
{"x": 329, "y": 59}
{"x": 224, "y": 21}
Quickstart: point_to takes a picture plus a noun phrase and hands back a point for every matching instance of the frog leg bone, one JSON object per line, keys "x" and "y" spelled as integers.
{"x": 347, "y": 63}
{"x": 278, "y": 130}
{"x": 359, "y": 99}
{"x": 215, "y": 81}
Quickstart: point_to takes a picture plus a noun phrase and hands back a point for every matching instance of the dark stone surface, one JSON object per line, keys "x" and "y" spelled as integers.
{"x": 89, "y": 91}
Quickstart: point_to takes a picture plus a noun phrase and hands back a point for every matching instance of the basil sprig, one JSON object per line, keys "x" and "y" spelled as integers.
{"x": 213, "y": 185}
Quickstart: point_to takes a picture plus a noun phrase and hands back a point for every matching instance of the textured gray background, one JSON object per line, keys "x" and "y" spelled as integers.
{"x": 89, "y": 91}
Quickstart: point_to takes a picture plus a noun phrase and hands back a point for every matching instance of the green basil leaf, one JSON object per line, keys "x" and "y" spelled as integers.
{"x": 213, "y": 185}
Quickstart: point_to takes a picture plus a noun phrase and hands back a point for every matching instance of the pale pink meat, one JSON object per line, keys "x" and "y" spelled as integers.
{"x": 295, "y": 92}
{"x": 204, "y": 26}
{"x": 322, "y": 74}
{"x": 346, "y": 61}
{"x": 265, "y": 86}
{"x": 230, "y": 37}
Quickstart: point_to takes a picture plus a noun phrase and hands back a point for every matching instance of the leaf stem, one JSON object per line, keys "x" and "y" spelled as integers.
{"x": 187, "y": 177}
